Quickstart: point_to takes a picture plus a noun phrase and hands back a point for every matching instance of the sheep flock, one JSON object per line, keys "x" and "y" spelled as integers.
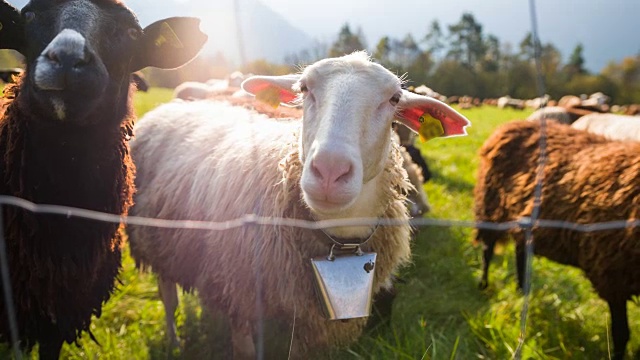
{"x": 337, "y": 141}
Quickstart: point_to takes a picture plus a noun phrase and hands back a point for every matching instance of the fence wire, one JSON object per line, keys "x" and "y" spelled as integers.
{"x": 252, "y": 219}
{"x": 537, "y": 195}
{"x": 526, "y": 224}
{"x": 7, "y": 293}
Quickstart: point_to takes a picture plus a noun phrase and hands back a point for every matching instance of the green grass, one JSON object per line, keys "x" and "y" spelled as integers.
{"x": 439, "y": 312}
{"x": 145, "y": 101}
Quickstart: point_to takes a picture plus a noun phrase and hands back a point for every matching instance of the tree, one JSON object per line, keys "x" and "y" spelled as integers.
{"x": 551, "y": 59}
{"x": 478, "y": 64}
{"x": 419, "y": 70}
{"x": 383, "y": 51}
{"x": 347, "y": 42}
{"x": 467, "y": 43}
{"x": 434, "y": 39}
{"x": 491, "y": 60}
{"x": 404, "y": 56}
{"x": 453, "y": 78}
{"x": 404, "y": 52}
{"x": 263, "y": 67}
{"x": 318, "y": 50}
{"x": 521, "y": 80}
{"x": 575, "y": 65}
{"x": 527, "y": 49}
{"x": 551, "y": 62}
{"x": 626, "y": 76}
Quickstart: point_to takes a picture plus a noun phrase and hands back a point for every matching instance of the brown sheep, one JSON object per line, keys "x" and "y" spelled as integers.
{"x": 587, "y": 179}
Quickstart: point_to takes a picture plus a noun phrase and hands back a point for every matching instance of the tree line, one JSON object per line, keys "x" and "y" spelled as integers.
{"x": 461, "y": 59}
{"x": 456, "y": 59}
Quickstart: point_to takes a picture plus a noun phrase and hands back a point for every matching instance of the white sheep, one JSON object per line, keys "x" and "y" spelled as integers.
{"x": 193, "y": 90}
{"x": 564, "y": 115}
{"x": 508, "y": 101}
{"x": 611, "y": 126}
{"x": 537, "y": 103}
{"x": 338, "y": 162}
{"x": 427, "y": 91}
{"x": 597, "y": 101}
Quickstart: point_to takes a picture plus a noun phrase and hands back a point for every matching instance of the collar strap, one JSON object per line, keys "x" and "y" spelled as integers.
{"x": 349, "y": 243}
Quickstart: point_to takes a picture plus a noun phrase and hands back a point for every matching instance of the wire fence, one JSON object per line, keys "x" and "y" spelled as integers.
{"x": 537, "y": 195}
{"x": 252, "y": 219}
{"x": 525, "y": 224}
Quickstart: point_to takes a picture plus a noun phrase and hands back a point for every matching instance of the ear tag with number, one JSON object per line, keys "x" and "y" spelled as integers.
{"x": 270, "y": 95}
{"x": 430, "y": 127}
{"x": 167, "y": 35}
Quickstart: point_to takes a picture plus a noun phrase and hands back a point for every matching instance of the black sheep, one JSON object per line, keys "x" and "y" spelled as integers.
{"x": 63, "y": 137}
{"x": 8, "y": 75}
{"x": 140, "y": 81}
{"x": 11, "y": 35}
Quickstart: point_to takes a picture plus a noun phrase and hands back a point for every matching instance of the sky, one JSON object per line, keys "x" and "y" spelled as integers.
{"x": 608, "y": 29}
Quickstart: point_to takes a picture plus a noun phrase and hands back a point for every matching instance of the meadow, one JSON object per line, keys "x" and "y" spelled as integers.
{"x": 439, "y": 312}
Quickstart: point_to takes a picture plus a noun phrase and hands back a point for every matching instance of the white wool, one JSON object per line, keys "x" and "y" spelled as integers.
{"x": 611, "y": 126}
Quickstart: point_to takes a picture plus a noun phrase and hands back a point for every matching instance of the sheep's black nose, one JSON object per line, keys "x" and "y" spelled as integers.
{"x": 68, "y": 60}
{"x": 69, "y": 63}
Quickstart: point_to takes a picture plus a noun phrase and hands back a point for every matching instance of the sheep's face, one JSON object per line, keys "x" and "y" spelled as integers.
{"x": 349, "y": 106}
{"x": 346, "y": 128}
{"x": 79, "y": 52}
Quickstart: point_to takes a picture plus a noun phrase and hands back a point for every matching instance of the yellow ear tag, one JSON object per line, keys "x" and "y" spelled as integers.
{"x": 430, "y": 127}
{"x": 270, "y": 96}
{"x": 167, "y": 35}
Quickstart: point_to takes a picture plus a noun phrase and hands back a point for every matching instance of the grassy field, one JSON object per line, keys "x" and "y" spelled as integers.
{"x": 439, "y": 312}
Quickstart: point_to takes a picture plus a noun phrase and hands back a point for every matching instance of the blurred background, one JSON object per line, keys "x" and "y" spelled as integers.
{"x": 477, "y": 48}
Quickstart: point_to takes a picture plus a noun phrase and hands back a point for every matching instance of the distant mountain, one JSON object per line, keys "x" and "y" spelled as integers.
{"x": 271, "y": 35}
{"x": 265, "y": 33}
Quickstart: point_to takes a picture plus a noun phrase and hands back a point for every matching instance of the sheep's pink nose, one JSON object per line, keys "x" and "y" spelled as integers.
{"x": 331, "y": 169}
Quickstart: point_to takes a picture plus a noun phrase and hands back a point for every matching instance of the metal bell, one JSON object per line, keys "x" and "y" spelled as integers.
{"x": 345, "y": 283}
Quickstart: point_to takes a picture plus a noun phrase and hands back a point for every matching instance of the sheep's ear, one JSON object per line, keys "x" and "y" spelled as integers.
{"x": 168, "y": 43}
{"x": 273, "y": 90}
{"x": 11, "y": 27}
{"x": 429, "y": 117}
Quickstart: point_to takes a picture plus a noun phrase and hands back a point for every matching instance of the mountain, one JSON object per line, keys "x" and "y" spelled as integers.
{"x": 265, "y": 33}
{"x": 271, "y": 28}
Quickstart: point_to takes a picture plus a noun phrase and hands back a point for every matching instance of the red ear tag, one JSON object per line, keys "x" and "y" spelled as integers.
{"x": 430, "y": 127}
{"x": 269, "y": 95}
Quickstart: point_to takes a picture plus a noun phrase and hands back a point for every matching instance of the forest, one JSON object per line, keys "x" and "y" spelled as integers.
{"x": 453, "y": 59}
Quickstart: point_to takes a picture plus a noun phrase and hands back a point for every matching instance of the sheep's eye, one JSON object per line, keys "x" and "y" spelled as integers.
{"x": 303, "y": 88}
{"x": 29, "y": 16}
{"x": 395, "y": 99}
{"x": 133, "y": 33}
